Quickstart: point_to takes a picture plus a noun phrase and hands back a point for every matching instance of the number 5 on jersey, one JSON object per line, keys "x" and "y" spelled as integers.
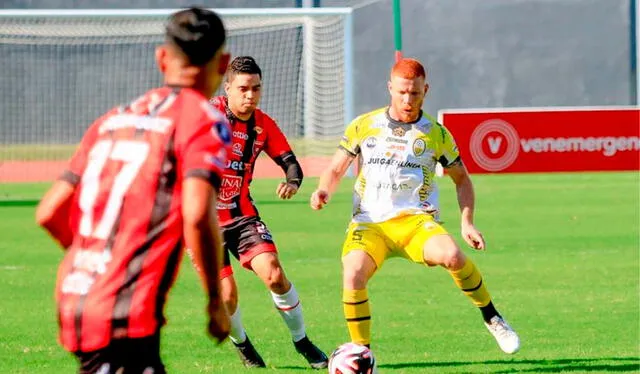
{"x": 133, "y": 155}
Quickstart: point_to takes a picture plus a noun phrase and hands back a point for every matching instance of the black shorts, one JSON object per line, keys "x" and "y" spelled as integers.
{"x": 135, "y": 356}
{"x": 244, "y": 239}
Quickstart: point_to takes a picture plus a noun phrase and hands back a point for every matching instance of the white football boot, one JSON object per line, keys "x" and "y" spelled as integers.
{"x": 505, "y": 335}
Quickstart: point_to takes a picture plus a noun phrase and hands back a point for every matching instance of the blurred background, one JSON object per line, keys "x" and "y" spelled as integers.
{"x": 490, "y": 53}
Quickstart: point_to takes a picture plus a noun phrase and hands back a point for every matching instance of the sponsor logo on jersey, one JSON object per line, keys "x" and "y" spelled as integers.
{"x": 240, "y": 135}
{"x": 370, "y": 142}
{"x": 221, "y": 205}
{"x": 393, "y": 186}
{"x": 398, "y": 131}
{"x": 257, "y": 147}
{"x": 419, "y": 146}
{"x": 230, "y": 187}
{"x": 393, "y": 162}
{"x": 396, "y": 140}
{"x": 237, "y": 149}
{"x": 396, "y": 147}
{"x": 258, "y": 130}
{"x": 235, "y": 165}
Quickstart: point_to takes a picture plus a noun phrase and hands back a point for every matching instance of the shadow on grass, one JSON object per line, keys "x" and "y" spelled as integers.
{"x": 293, "y": 367}
{"x": 602, "y": 364}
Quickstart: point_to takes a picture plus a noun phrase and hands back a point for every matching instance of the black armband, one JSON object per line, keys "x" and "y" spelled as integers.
{"x": 443, "y": 162}
{"x": 292, "y": 169}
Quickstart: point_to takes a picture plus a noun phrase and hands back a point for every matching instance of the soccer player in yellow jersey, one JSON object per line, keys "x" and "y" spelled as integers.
{"x": 394, "y": 212}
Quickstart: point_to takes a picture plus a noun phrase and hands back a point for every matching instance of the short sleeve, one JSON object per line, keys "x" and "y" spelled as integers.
{"x": 448, "y": 149}
{"x": 276, "y": 143}
{"x": 350, "y": 141}
{"x": 203, "y": 147}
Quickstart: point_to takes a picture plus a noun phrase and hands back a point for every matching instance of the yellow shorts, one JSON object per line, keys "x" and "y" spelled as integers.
{"x": 398, "y": 237}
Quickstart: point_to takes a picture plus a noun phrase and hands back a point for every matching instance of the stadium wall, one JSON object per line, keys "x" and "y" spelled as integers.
{"x": 489, "y": 53}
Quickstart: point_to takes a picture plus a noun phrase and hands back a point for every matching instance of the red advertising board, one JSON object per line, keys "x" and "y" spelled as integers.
{"x": 546, "y": 139}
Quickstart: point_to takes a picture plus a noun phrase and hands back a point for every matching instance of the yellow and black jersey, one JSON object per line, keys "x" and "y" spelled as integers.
{"x": 398, "y": 164}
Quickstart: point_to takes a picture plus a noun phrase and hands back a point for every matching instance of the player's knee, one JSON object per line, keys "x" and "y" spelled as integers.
{"x": 442, "y": 250}
{"x": 354, "y": 279}
{"x": 357, "y": 269}
{"x": 277, "y": 281}
{"x": 453, "y": 258}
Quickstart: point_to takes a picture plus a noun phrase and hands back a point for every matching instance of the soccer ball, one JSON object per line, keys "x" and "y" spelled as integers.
{"x": 351, "y": 358}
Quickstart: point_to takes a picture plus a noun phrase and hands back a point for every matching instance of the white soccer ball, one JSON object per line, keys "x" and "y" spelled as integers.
{"x": 351, "y": 358}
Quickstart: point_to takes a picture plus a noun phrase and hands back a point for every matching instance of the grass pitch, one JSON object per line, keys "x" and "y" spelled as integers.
{"x": 562, "y": 265}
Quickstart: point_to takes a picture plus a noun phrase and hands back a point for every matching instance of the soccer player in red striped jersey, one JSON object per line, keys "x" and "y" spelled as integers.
{"x": 140, "y": 187}
{"x": 245, "y": 236}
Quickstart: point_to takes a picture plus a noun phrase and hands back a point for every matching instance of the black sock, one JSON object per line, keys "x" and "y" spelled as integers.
{"x": 488, "y": 312}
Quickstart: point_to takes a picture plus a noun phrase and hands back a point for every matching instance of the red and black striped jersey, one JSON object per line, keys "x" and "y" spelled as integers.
{"x": 259, "y": 133}
{"x": 126, "y": 213}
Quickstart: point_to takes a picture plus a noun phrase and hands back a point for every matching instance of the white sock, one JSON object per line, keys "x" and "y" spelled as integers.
{"x": 237, "y": 333}
{"x": 290, "y": 309}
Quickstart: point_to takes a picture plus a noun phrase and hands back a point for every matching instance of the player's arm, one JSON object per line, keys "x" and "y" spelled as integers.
{"x": 52, "y": 213}
{"x": 330, "y": 177}
{"x": 201, "y": 230}
{"x": 347, "y": 151}
{"x": 278, "y": 148}
{"x": 203, "y": 159}
{"x": 464, "y": 190}
{"x": 450, "y": 160}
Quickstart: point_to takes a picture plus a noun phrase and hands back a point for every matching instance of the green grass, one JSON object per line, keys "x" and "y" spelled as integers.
{"x": 562, "y": 265}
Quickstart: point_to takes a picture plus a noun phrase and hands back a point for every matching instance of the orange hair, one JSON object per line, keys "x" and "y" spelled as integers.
{"x": 408, "y": 68}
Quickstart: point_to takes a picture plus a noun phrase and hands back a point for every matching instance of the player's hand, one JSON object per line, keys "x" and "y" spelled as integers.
{"x": 319, "y": 198}
{"x": 286, "y": 191}
{"x": 473, "y": 237}
{"x": 219, "y": 321}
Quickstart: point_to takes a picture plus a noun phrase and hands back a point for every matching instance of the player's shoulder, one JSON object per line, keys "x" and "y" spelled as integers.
{"x": 199, "y": 115}
{"x": 262, "y": 117}
{"x": 371, "y": 116}
{"x": 372, "y": 119}
{"x": 264, "y": 120}
{"x": 197, "y": 105}
{"x": 428, "y": 124}
{"x": 219, "y": 102}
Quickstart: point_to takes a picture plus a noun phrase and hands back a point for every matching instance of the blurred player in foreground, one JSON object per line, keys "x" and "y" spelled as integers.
{"x": 393, "y": 208}
{"x": 141, "y": 185}
{"x": 245, "y": 236}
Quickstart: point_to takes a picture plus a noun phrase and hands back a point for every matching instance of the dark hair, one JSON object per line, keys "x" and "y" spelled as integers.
{"x": 243, "y": 65}
{"x": 197, "y": 32}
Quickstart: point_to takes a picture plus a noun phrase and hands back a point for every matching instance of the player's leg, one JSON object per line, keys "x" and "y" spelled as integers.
{"x": 363, "y": 252}
{"x": 258, "y": 252}
{"x": 439, "y": 248}
{"x": 229, "y": 292}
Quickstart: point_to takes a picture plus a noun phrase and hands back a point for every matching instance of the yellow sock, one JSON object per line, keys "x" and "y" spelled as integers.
{"x": 469, "y": 280}
{"x": 357, "y": 312}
